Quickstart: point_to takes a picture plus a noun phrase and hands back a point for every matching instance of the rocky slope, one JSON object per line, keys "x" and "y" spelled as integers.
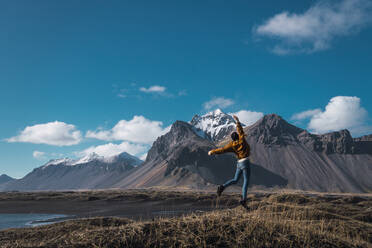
{"x": 90, "y": 172}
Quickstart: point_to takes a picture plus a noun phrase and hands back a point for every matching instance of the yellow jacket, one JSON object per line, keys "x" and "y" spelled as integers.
{"x": 239, "y": 147}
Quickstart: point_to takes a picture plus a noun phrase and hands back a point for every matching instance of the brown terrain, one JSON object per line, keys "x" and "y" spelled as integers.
{"x": 136, "y": 204}
{"x": 153, "y": 218}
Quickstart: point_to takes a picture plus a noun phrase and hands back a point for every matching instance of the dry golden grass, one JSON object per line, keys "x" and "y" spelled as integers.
{"x": 274, "y": 220}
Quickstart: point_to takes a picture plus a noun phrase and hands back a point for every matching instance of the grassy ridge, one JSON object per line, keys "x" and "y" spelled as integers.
{"x": 274, "y": 220}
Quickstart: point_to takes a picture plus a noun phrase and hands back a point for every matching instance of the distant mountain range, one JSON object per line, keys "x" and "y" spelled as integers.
{"x": 89, "y": 172}
{"x": 282, "y": 155}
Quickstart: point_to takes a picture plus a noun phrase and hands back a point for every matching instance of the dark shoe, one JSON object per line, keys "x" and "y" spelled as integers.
{"x": 220, "y": 189}
{"x": 244, "y": 204}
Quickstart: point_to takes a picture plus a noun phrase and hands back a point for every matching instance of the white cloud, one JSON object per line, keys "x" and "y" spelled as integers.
{"x": 218, "y": 102}
{"x": 111, "y": 149}
{"x": 153, "y": 89}
{"x": 315, "y": 29}
{"x": 38, "y": 155}
{"x": 182, "y": 93}
{"x": 342, "y": 112}
{"x": 248, "y": 117}
{"x": 305, "y": 114}
{"x": 138, "y": 130}
{"x": 52, "y": 133}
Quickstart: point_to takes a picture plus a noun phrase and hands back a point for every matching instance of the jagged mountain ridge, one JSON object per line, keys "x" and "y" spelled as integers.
{"x": 282, "y": 155}
{"x": 274, "y": 130}
{"x": 329, "y": 162}
{"x": 90, "y": 172}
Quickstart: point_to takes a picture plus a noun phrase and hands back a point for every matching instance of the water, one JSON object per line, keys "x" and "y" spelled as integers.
{"x": 28, "y": 220}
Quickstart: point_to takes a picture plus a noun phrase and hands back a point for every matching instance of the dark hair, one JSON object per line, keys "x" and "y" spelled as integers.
{"x": 234, "y": 136}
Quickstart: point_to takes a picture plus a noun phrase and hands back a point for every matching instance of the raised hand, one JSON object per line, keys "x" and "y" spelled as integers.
{"x": 236, "y": 118}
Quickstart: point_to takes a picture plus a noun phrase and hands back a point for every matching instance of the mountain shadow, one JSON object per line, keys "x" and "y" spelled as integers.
{"x": 262, "y": 176}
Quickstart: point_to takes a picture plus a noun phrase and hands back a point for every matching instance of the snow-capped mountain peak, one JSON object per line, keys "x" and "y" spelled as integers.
{"x": 93, "y": 157}
{"x": 88, "y": 158}
{"x": 216, "y": 124}
{"x": 58, "y": 161}
{"x": 123, "y": 156}
{"x": 216, "y": 112}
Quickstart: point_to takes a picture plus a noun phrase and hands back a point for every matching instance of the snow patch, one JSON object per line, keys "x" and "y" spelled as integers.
{"x": 86, "y": 159}
{"x": 58, "y": 161}
{"x": 91, "y": 157}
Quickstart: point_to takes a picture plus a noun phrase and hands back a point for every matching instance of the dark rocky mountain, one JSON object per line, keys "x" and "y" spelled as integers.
{"x": 364, "y": 138}
{"x": 329, "y": 162}
{"x": 281, "y": 155}
{"x": 172, "y": 159}
{"x": 5, "y": 178}
{"x": 90, "y": 172}
{"x": 274, "y": 130}
{"x": 180, "y": 158}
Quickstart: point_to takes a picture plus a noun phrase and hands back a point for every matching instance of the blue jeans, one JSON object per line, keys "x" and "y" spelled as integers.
{"x": 241, "y": 168}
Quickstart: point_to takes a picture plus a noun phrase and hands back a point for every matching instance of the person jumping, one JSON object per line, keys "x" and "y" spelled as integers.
{"x": 240, "y": 147}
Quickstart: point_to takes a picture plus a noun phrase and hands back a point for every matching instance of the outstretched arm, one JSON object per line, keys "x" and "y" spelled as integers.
{"x": 226, "y": 148}
{"x": 239, "y": 127}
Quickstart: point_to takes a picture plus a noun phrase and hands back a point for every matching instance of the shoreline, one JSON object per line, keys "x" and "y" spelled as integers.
{"x": 132, "y": 204}
{"x": 30, "y": 220}
{"x": 36, "y": 223}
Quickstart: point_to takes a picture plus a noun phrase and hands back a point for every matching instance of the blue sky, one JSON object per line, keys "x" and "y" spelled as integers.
{"x": 71, "y": 71}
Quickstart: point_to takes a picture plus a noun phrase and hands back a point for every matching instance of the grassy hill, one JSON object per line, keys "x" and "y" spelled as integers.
{"x": 274, "y": 220}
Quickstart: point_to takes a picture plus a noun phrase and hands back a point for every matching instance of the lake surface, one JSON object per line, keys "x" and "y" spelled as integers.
{"x": 28, "y": 220}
